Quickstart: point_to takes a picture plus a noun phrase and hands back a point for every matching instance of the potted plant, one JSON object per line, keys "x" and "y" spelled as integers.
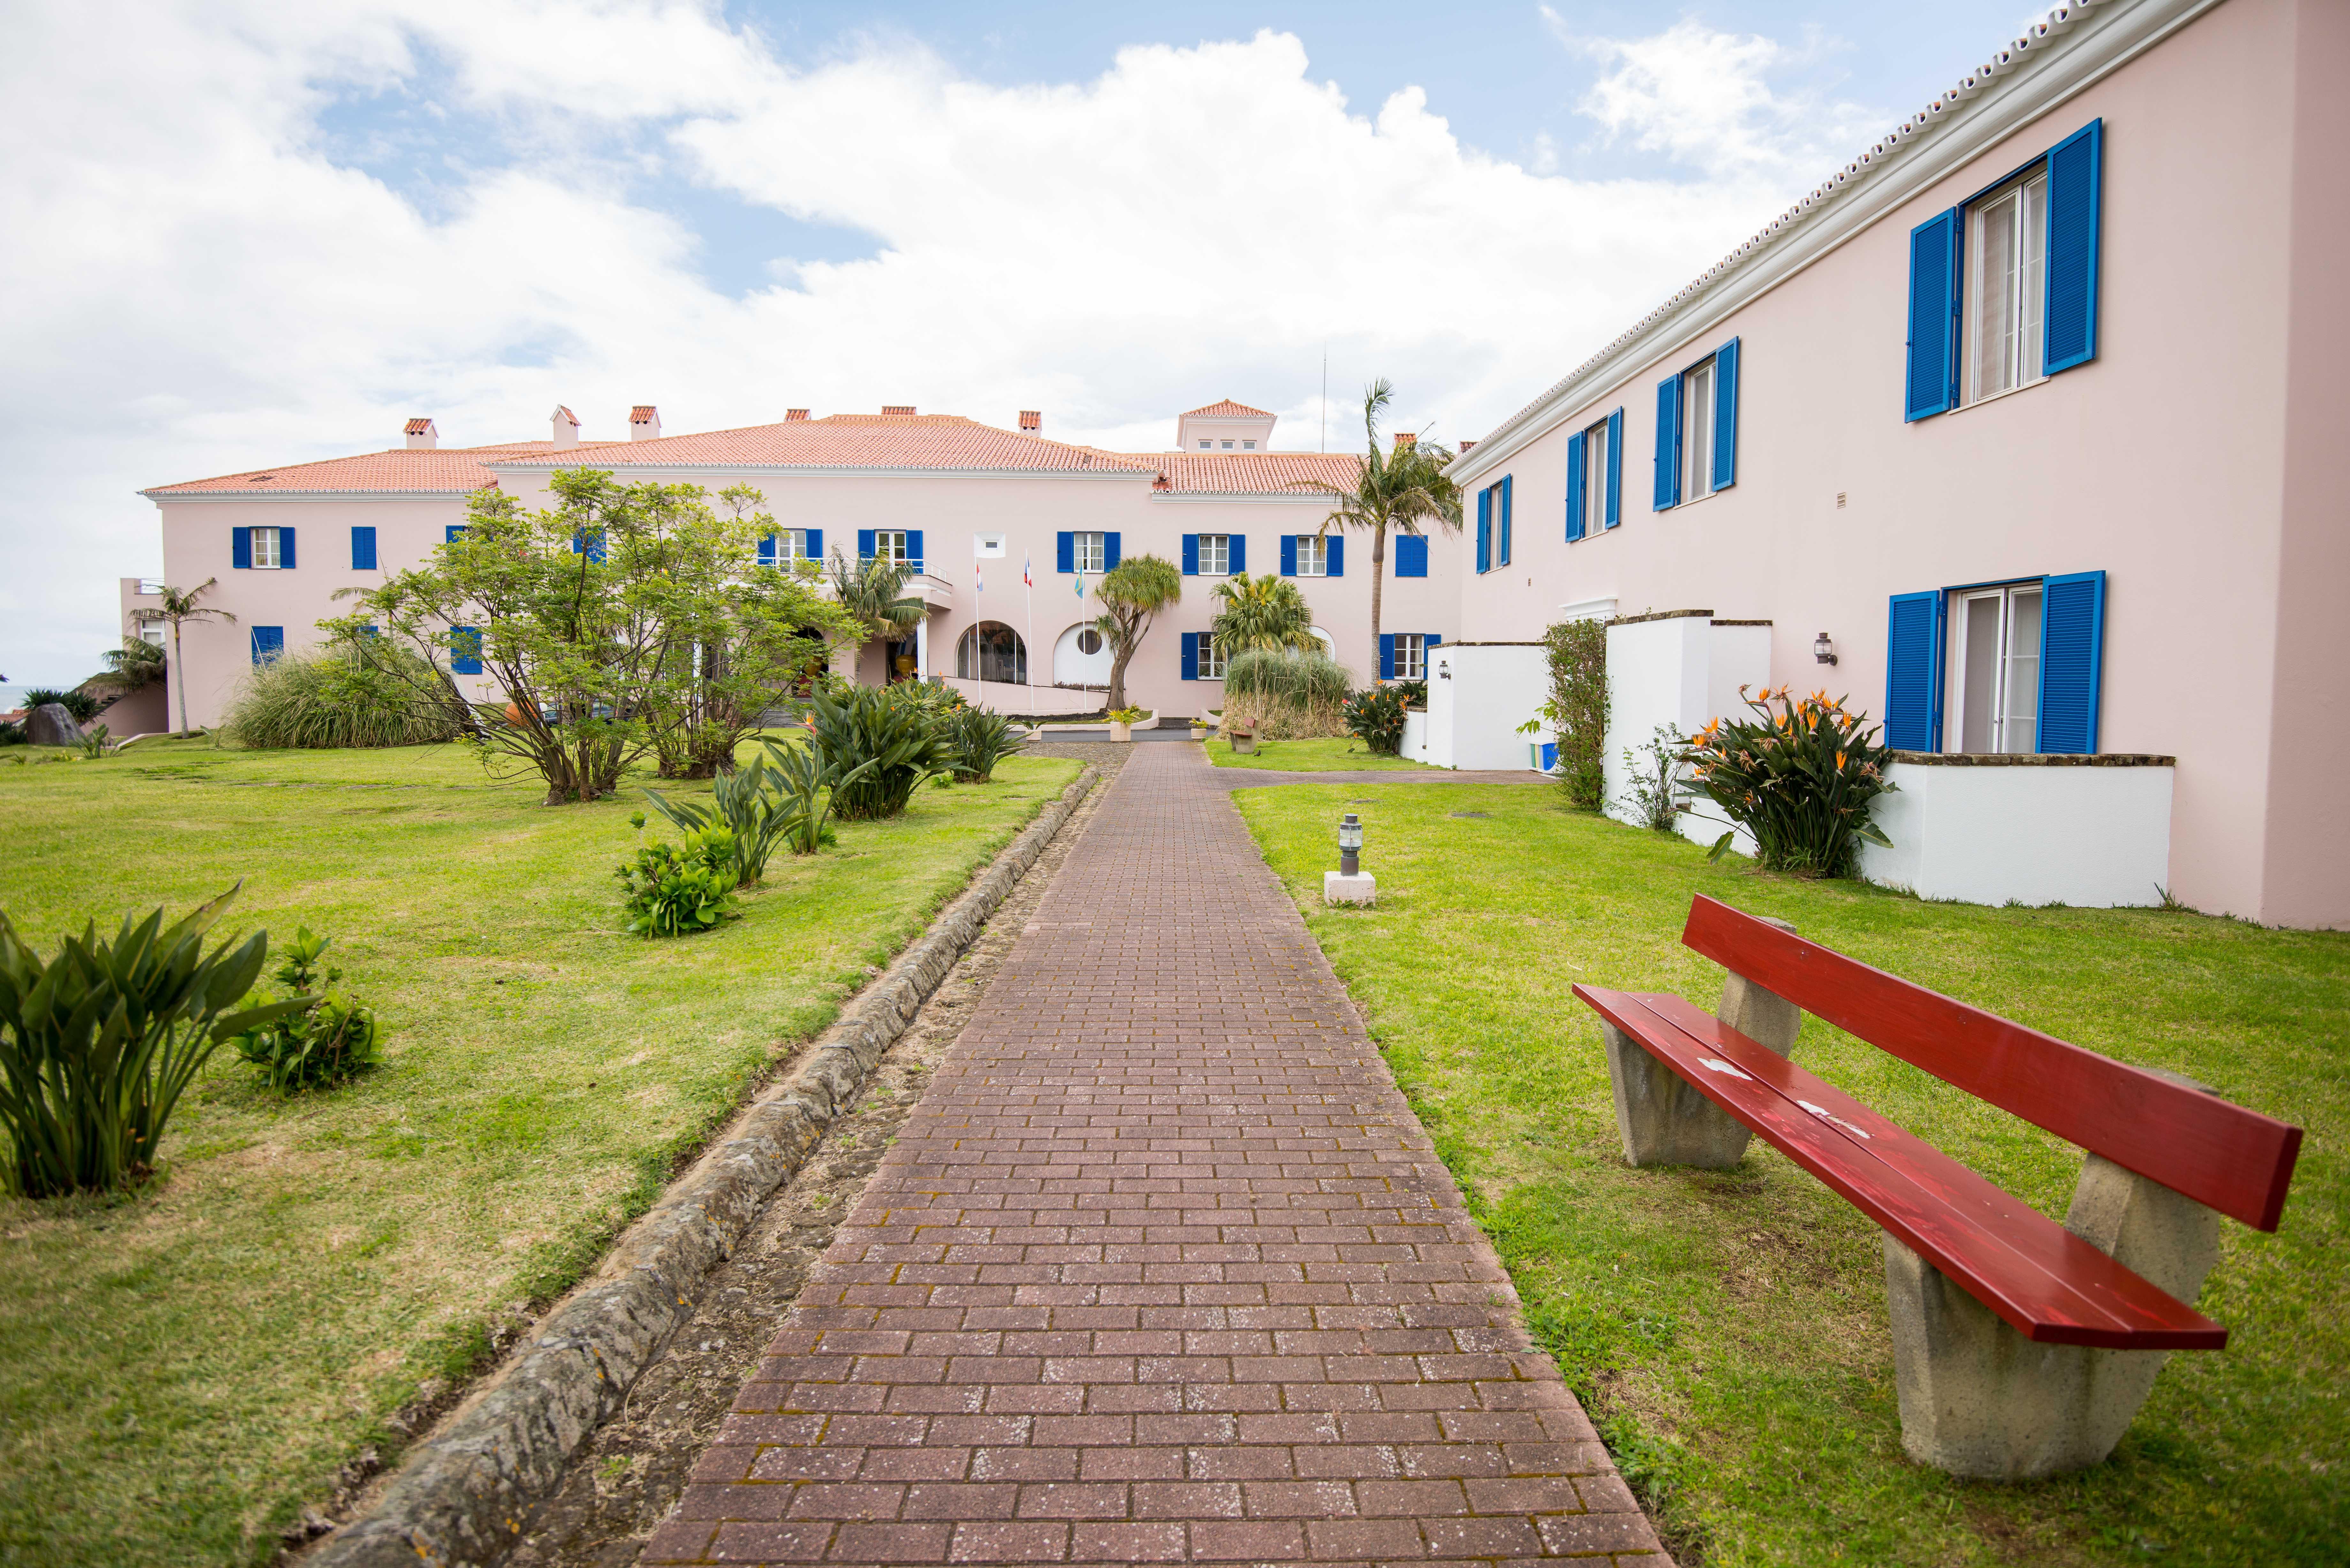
{"x": 1199, "y": 727}
{"x": 1122, "y": 722}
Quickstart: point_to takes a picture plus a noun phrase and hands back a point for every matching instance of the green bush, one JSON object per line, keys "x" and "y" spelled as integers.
{"x": 977, "y": 739}
{"x": 11, "y": 735}
{"x": 675, "y": 889}
{"x": 1286, "y": 695}
{"x": 332, "y": 1039}
{"x": 897, "y": 735}
{"x": 1376, "y": 717}
{"x": 335, "y": 698}
{"x": 81, "y": 704}
{"x": 1799, "y": 779}
{"x": 1577, "y": 711}
{"x": 97, "y": 1044}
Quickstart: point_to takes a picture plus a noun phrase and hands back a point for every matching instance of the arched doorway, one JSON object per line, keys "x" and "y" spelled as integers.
{"x": 992, "y": 651}
{"x": 1081, "y": 658}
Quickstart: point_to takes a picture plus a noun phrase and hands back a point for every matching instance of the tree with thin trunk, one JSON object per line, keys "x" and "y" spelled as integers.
{"x": 1132, "y": 593}
{"x": 179, "y": 605}
{"x": 873, "y": 594}
{"x": 1403, "y": 490}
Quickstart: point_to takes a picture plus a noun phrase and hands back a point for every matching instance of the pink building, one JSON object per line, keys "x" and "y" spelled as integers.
{"x": 1005, "y": 526}
{"x": 2022, "y": 429}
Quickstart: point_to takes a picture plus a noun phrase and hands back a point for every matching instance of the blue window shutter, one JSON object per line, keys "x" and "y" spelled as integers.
{"x": 456, "y": 531}
{"x": 465, "y": 650}
{"x": 1333, "y": 556}
{"x": 1615, "y": 468}
{"x": 1387, "y": 656}
{"x": 1065, "y": 552}
{"x": 1237, "y": 562}
{"x": 1725, "y": 415}
{"x": 815, "y": 546}
{"x": 1502, "y": 557}
{"x": 239, "y": 548}
{"x": 2072, "y": 661}
{"x": 362, "y": 549}
{"x": 1913, "y": 673}
{"x": 1932, "y": 386}
{"x": 1110, "y": 556}
{"x": 1190, "y": 559}
{"x": 1412, "y": 556}
{"x": 1485, "y": 529}
{"x": 268, "y": 643}
{"x": 1289, "y": 555}
{"x": 589, "y": 542}
{"x": 1668, "y": 443}
{"x": 2076, "y": 200}
{"x": 914, "y": 546}
{"x": 1191, "y": 649}
{"x": 1576, "y": 454}
{"x": 766, "y": 549}
{"x": 285, "y": 548}
{"x": 1428, "y": 640}
{"x": 865, "y": 544}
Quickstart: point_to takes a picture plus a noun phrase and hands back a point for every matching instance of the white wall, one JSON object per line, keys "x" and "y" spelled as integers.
{"x": 2028, "y": 833}
{"x": 1679, "y": 670}
{"x": 1478, "y": 695}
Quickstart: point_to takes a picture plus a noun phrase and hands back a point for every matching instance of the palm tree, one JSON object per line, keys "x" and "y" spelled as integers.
{"x": 179, "y": 605}
{"x": 1268, "y": 613}
{"x": 1400, "y": 490}
{"x": 1131, "y": 593}
{"x": 874, "y": 593}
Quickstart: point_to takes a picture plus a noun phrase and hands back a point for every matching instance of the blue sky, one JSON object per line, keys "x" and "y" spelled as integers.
{"x": 237, "y": 232}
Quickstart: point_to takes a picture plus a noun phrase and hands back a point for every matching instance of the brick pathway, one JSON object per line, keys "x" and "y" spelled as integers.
{"x": 1160, "y": 1270}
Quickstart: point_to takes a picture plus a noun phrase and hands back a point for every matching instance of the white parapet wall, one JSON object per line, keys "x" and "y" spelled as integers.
{"x": 1415, "y": 735}
{"x": 1679, "y": 668}
{"x": 1478, "y": 695}
{"x": 2091, "y": 832}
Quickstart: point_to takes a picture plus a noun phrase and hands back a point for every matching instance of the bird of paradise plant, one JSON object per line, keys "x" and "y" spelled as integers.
{"x": 1798, "y": 776}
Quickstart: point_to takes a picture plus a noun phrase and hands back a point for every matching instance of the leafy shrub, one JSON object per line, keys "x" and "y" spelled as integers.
{"x": 810, "y": 786}
{"x": 1414, "y": 693}
{"x": 1799, "y": 777}
{"x": 977, "y": 739}
{"x": 11, "y": 735}
{"x": 97, "y": 1044}
{"x": 336, "y": 698}
{"x": 1267, "y": 614}
{"x": 332, "y": 1039}
{"x": 1656, "y": 798}
{"x": 871, "y": 724}
{"x": 1286, "y": 696}
{"x": 675, "y": 889}
{"x": 1128, "y": 715}
{"x": 1577, "y": 711}
{"x": 94, "y": 742}
{"x": 81, "y": 704}
{"x": 1376, "y": 716}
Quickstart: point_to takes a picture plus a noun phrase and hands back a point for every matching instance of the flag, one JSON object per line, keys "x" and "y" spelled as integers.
{"x": 1081, "y": 586}
{"x": 978, "y": 579}
{"x": 1026, "y": 580}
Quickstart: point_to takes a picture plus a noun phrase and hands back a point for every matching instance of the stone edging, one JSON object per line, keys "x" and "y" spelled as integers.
{"x": 461, "y": 1495}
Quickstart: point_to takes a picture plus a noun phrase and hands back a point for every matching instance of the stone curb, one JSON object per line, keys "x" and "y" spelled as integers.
{"x": 459, "y": 1498}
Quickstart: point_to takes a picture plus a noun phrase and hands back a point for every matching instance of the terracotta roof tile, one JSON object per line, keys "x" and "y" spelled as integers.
{"x": 451, "y": 470}
{"x": 860, "y": 441}
{"x": 1254, "y": 472}
{"x": 1215, "y": 410}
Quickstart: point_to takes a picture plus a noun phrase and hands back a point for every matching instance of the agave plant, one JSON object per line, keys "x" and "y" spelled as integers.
{"x": 773, "y": 802}
{"x": 872, "y": 725}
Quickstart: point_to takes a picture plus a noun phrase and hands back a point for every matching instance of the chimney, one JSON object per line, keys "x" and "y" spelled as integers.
{"x": 422, "y": 436}
{"x": 1467, "y": 445}
{"x": 1406, "y": 441}
{"x": 644, "y": 422}
{"x": 1032, "y": 421}
{"x": 566, "y": 426}
{"x": 898, "y": 409}
{"x": 794, "y": 414}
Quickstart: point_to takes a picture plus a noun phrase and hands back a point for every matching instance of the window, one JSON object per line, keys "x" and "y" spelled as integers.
{"x": 269, "y": 642}
{"x": 1212, "y": 658}
{"x": 265, "y": 549}
{"x": 987, "y": 546}
{"x": 1204, "y": 445}
{"x": 1595, "y": 477}
{"x": 1215, "y": 555}
{"x": 151, "y": 632}
{"x": 992, "y": 651}
{"x": 149, "y": 588}
{"x": 1697, "y": 423}
{"x": 889, "y": 545}
{"x": 1410, "y": 656}
{"x": 1312, "y": 555}
{"x": 1248, "y": 446}
{"x": 1227, "y": 446}
{"x": 1994, "y": 665}
{"x": 1089, "y": 642}
{"x": 1412, "y": 556}
{"x": 1089, "y": 553}
{"x": 363, "y": 549}
{"x": 2007, "y": 247}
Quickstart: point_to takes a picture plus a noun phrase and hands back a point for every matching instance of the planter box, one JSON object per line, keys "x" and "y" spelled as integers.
{"x": 1118, "y": 732}
{"x": 2093, "y": 832}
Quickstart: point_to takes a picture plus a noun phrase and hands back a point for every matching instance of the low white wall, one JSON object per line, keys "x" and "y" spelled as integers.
{"x": 1415, "y": 736}
{"x": 2027, "y": 831}
{"x": 1478, "y": 695}
{"x": 1004, "y": 697}
{"x": 1677, "y": 669}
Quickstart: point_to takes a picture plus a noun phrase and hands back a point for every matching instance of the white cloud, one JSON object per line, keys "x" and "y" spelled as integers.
{"x": 195, "y": 285}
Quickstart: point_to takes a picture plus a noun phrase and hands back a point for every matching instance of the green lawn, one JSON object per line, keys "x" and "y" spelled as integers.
{"x": 1344, "y": 755}
{"x": 1728, "y": 1329}
{"x": 182, "y": 1369}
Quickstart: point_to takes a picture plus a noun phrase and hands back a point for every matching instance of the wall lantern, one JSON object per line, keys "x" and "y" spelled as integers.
{"x": 1824, "y": 650}
{"x": 1350, "y": 846}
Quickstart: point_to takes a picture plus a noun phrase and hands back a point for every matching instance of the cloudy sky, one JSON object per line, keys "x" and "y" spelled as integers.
{"x": 238, "y": 232}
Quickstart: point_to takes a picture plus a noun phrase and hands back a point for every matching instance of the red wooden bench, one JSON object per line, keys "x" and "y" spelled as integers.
{"x": 2021, "y": 1346}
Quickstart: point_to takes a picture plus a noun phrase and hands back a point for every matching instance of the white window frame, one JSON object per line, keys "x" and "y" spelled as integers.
{"x": 2012, "y": 722}
{"x": 1212, "y": 658}
{"x": 1227, "y": 446}
{"x": 1090, "y": 552}
{"x": 1248, "y": 446}
{"x": 1411, "y": 656}
{"x": 1697, "y": 400}
{"x": 151, "y": 632}
{"x": 1312, "y": 555}
{"x": 2002, "y": 347}
{"x": 266, "y": 543}
{"x": 1595, "y": 481}
{"x": 891, "y": 545}
{"x": 1205, "y": 444}
{"x": 1223, "y": 557}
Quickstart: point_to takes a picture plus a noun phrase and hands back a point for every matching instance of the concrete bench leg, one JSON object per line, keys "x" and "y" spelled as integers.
{"x": 1663, "y": 1120}
{"x": 1978, "y": 1399}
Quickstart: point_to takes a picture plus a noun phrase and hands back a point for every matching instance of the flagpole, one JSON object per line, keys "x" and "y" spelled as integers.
{"x": 1028, "y": 586}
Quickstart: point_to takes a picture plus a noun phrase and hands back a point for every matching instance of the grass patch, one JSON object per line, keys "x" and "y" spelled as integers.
{"x": 1728, "y": 1328}
{"x": 182, "y": 1369}
{"x": 1343, "y": 755}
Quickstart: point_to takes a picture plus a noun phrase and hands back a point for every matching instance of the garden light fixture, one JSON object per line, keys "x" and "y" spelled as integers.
{"x": 1350, "y": 846}
{"x": 1350, "y": 884}
{"x": 1824, "y": 650}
